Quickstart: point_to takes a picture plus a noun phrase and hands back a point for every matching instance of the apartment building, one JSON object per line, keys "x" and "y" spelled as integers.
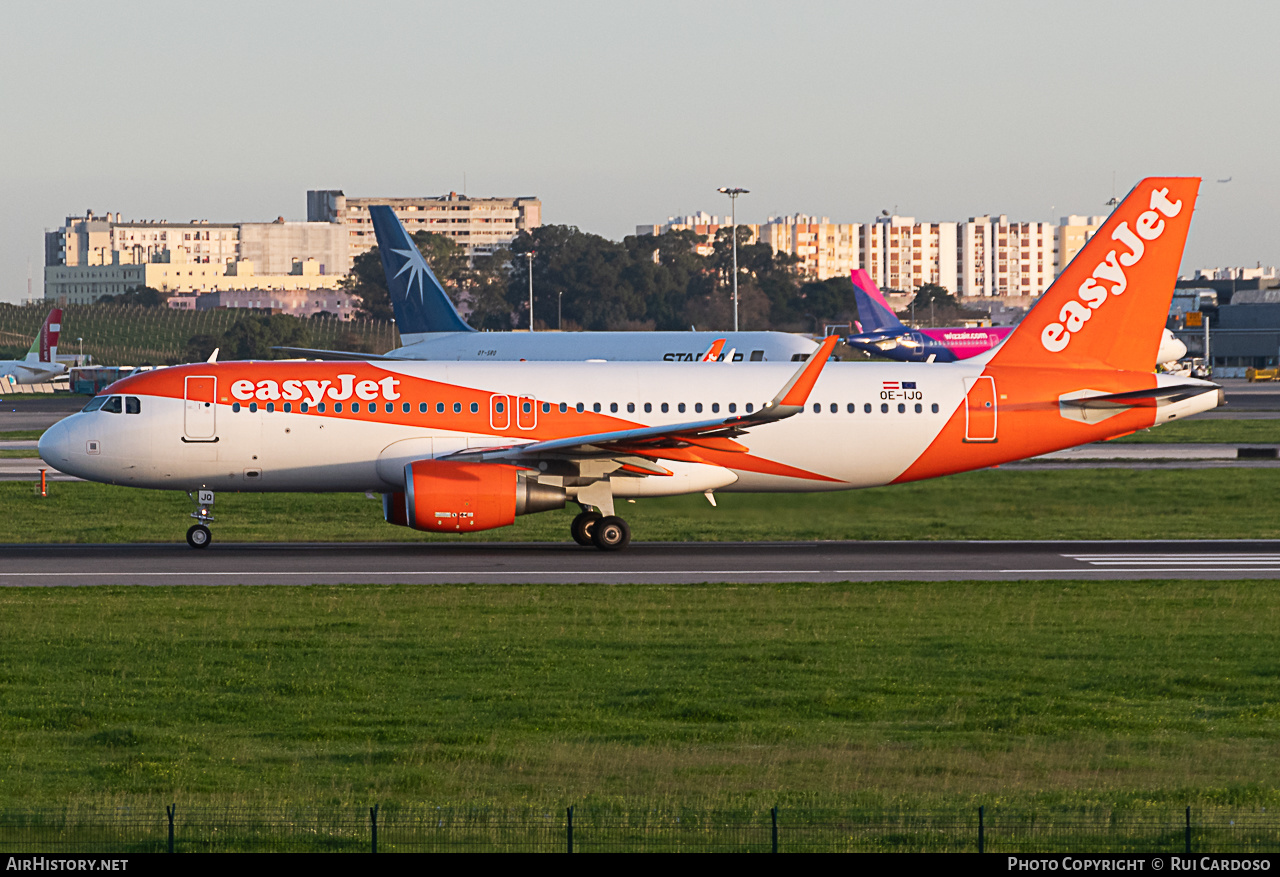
{"x": 479, "y": 225}
{"x": 92, "y": 256}
{"x": 824, "y": 248}
{"x": 985, "y": 256}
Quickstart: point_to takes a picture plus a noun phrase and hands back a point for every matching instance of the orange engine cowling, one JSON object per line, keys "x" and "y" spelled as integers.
{"x": 462, "y": 497}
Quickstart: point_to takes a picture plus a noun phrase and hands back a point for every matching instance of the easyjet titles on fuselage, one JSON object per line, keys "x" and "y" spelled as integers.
{"x": 316, "y": 391}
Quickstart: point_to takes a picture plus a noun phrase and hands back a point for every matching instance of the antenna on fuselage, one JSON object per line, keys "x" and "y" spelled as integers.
{"x": 213, "y": 357}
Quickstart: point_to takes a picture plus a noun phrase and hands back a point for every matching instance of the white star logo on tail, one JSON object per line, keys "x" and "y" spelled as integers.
{"x": 415, "y": 267}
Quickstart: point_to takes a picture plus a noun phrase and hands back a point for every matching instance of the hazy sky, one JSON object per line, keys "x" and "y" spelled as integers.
{"x": 617, "y": 115}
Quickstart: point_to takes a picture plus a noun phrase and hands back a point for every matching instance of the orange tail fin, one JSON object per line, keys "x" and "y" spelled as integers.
{"x": 1108, "y": 308}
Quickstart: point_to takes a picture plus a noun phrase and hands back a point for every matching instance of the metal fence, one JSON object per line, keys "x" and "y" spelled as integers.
{"x": 597, "y": 827}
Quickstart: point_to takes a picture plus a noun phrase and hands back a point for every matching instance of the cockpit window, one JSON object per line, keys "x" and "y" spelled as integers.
{"x": 95, "y": 403}
{"x": 132, "y": 405}
{"x": 113, "y": 405}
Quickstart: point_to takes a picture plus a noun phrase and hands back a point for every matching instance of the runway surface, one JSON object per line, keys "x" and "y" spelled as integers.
{"x": 648, "y": 563}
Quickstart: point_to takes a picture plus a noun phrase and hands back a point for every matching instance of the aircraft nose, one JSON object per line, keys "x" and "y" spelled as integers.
{"x": 54, "y": 445}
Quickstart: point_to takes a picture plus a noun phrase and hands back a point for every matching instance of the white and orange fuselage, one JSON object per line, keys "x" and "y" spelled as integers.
{"x": 468, "y": 446}
{"x": 326, "y": 426}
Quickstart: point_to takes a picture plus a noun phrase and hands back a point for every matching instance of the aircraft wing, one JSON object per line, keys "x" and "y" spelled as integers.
{"x": 632, "y": 446}
{"x": 310, "y": 353}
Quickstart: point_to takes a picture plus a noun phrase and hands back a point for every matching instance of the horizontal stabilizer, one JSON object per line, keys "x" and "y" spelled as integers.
{"x": 1138, "y": 398}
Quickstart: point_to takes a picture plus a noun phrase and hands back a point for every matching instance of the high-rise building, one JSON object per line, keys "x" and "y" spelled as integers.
{"x": 478, "y": 225}
{"x": 983, "y": 257}
{"x": 824, "y": 248}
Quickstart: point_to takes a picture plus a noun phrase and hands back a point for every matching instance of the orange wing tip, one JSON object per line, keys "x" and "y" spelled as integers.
{"x": 799, "y": 392}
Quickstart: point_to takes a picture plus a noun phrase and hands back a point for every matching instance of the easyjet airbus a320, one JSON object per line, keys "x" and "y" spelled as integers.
{"x": 460, "y": 447}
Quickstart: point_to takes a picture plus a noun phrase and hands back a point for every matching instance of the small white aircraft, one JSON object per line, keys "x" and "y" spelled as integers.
{"x": 41, "y": 362}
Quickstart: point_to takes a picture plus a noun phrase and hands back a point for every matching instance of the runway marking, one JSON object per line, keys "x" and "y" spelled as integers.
{"x": 1242, "y": 562}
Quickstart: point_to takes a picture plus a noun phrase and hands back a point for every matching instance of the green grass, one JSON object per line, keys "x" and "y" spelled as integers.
{"x": 1210, "y": 431}
{"x": 990, "y": 504}
{"x": 130, "y": 335}
{"x": 1060, "y": 693}
{"x": 17, "y": 454}
{"x": 21, "y": 435}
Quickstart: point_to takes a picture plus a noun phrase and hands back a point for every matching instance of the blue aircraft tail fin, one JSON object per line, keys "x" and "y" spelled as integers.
{"x": 420, "y": 302}
{"x": 873, "y": 311}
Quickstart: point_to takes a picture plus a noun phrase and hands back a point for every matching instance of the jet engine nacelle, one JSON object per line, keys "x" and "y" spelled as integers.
{"x": 450, "y": 497}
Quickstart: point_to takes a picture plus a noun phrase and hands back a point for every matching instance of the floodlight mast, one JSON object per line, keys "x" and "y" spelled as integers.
{"x": 529, "y": 256}
{"x": 733, "y": 193}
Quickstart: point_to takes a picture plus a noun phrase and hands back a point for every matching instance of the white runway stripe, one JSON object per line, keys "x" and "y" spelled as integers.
{"x": 1244, "y": 562}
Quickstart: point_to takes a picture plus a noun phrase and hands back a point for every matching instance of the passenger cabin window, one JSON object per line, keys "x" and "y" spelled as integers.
{"x": 867, "y": 407}
{"x": 648, "y": 408}
{"x": 613, "y": 407}
{"x": 665, "y": 408}
{"x": 680, "y": 408}
{"x": 113, "y": 405}
{"x": 596, "y": 407}
{"x": 631, "y": 408}
{"x": 95, "y": 403}
{"x": 817, "y": 407}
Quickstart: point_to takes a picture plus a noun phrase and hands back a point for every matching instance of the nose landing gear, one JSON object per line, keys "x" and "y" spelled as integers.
{"x": 198, "y": 536}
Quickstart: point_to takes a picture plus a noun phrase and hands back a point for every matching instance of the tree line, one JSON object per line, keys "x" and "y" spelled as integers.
{"x": 585, "y": 281}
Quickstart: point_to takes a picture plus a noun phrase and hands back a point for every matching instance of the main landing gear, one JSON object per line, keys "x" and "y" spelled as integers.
{"x": 198, "y": 536}
{"x": 606, "y": 532}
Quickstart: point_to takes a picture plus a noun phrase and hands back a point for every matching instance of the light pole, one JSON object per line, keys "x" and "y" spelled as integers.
{"x": 529, "y": 256}
{"x": 560, "y": 311}
{"x": 80, "y": 357}
{"x": 733, "y": 194}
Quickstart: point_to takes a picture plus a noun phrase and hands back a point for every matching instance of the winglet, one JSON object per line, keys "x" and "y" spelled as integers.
{"x": 791, "y": 398}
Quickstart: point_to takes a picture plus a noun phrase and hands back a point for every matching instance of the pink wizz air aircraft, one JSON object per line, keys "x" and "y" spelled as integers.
{"x": 881, "y": 333}
{"x": 458, "y": 447}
